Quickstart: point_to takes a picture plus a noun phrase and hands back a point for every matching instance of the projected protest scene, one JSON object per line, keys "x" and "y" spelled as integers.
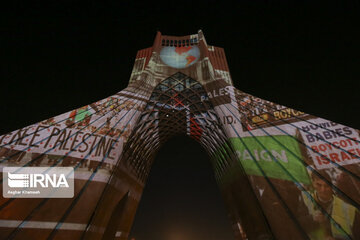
{"x": 283, "y": 173}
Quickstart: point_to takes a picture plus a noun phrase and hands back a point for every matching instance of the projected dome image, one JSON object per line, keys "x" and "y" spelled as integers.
{"x": 180, "y": 57}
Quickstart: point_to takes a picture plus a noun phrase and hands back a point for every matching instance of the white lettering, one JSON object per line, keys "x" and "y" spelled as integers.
{"x": 282, "y": 156}
{"x": 266, "y": 155}
{"x": 62, "y": 181}
{"x": 38, "y": 178}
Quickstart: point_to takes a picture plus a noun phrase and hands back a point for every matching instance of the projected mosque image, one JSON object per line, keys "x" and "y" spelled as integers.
{"x": 282, "y": 173}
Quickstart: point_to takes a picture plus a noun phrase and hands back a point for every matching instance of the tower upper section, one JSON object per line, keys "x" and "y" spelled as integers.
{"x": 189, "y": 54}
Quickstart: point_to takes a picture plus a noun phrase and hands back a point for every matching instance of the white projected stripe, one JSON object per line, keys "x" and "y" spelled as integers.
{"x": 46, "y": 225}
{"x": 41, "y": 225}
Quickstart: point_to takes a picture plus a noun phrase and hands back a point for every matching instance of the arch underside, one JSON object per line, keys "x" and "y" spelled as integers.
{"x": 177, "y": 106}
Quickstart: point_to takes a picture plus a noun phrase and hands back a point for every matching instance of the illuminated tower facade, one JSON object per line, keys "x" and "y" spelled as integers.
{"x": 268, "y": 160}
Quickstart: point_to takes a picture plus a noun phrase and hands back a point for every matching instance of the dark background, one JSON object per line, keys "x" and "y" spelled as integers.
{"x": 59, "y": 55}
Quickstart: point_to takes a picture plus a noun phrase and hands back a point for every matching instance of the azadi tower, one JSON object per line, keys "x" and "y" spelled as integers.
{"x": 283, "y": 174}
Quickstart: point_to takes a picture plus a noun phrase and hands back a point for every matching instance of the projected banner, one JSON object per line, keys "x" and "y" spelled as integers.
{"x": 57, "y": 141}
{"x": 295, "y": 162}
{"x": 262, "y": 113}
{"x": 265, "y": 154}
{"x": 93, "y": 131}
{"x": 330, "y": 142}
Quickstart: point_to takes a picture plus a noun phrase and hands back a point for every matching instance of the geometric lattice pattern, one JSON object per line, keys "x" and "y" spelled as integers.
{"x": 178, "y": 106}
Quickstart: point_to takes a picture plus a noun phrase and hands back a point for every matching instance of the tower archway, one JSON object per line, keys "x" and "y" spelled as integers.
{"x": 178, "y": 106}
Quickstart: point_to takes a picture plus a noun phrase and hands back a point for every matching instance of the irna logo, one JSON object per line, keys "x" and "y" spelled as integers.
{"x": 33, "y": 180}
{"x": 38, "y": 182}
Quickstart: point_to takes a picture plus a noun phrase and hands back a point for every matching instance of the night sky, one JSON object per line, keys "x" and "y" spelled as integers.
{"x": 60, "y": 55}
